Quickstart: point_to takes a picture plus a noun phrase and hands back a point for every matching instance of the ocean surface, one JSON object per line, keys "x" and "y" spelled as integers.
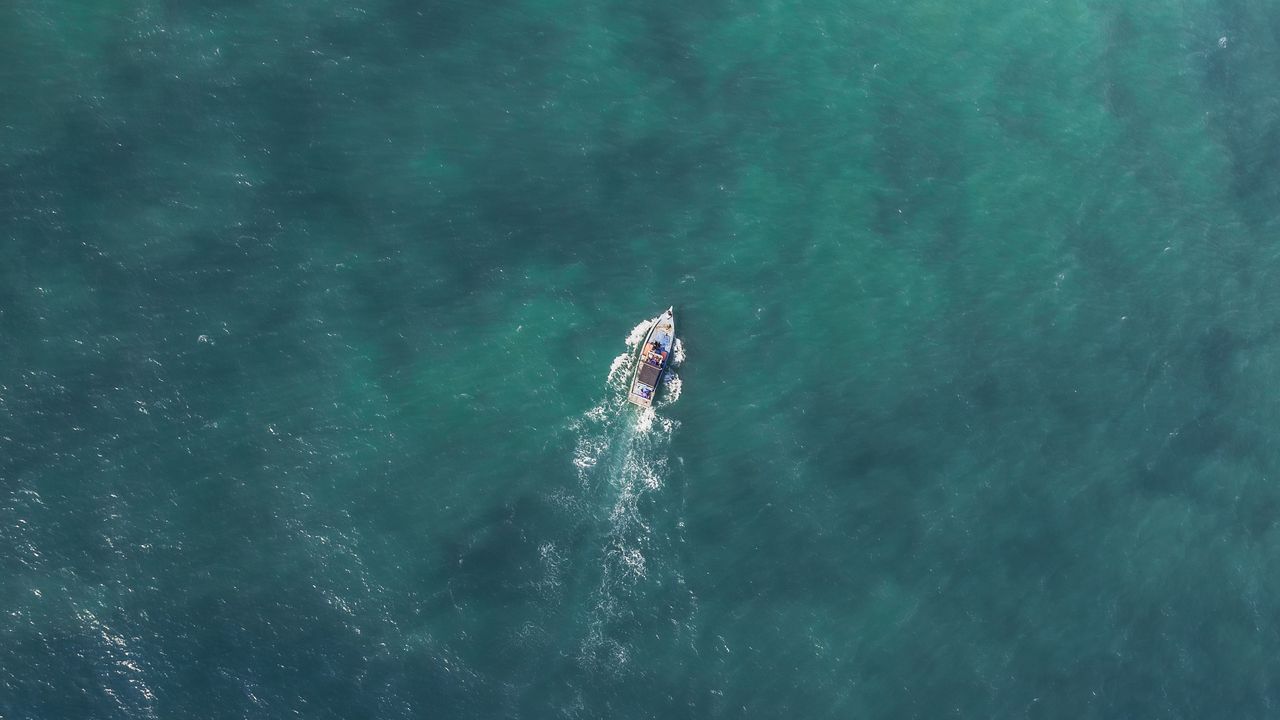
{"x": 314, "y": 323}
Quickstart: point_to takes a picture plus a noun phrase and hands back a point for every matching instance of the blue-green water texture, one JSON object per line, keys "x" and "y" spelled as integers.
{"x": 316, "y": 321}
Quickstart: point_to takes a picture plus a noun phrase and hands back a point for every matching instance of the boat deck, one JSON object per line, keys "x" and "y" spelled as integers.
{"x": 654, "y": 356}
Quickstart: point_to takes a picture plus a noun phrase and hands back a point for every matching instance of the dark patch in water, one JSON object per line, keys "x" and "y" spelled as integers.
{"x": 1171, "y": 468}
{"x": 1218, "y": 351}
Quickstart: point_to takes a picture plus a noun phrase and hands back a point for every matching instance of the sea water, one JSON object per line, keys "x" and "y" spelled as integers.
{"x": 313, "y": 359}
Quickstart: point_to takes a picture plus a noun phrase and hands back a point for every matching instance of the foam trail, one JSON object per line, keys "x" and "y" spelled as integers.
{"x": 618, "y": 371}
{"x": 621, "y": 457}
{"x": 673, "y": 385}
{"x": 639, "y": 331}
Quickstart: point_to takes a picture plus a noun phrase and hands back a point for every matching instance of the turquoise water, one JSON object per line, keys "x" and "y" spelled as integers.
{"x": 310, "y": 313}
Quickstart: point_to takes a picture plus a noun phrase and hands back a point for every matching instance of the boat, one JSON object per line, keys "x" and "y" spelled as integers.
{"x": 655, "y": 358}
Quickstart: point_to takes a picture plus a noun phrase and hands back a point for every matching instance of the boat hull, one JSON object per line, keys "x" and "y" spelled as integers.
{"x": 653, "y": 360}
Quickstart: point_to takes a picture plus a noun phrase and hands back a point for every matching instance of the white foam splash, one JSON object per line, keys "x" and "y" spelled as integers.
{"x": 585, "y": 457}
{"x": 644, "y": 422}
{"x": 673, "y": 386}
{"x": 677, "y": 357}
{"x": 639, "y": 331}
{"x": 593, "y": 443}
{"x": 633, "y": 560}
{"x": 618, "y": 370}
{"x": 597, "y": 413}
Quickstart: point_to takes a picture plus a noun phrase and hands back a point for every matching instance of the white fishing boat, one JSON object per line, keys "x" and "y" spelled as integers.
{"x": 654, "y": 359}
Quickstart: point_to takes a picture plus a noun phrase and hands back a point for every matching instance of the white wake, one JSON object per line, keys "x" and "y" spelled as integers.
{"x": 621, "y": 457}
